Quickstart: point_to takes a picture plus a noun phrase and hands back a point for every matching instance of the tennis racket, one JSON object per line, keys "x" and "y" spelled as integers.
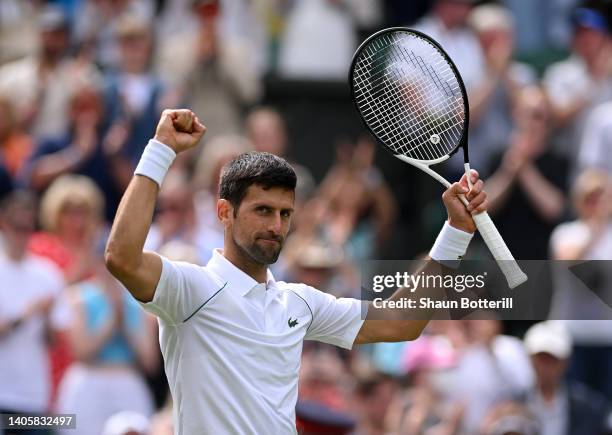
{"x": 412, "y": 99}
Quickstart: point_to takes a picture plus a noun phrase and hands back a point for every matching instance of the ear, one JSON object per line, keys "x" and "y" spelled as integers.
{"x": 225, "y": 211}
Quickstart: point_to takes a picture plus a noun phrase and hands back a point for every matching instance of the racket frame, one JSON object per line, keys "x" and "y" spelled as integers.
{"x": 514, "y": 275}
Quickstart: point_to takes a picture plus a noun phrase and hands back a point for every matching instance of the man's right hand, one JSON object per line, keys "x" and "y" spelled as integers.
{"x": 179, "y": 129}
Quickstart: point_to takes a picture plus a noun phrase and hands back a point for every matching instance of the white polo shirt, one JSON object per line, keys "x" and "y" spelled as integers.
{"x": 232, "y": 347}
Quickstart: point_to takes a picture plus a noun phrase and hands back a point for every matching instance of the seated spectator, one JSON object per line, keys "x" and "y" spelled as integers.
{"x": 15, "y": 144}
{"x": 29, "y": 311}
{"x": 78, "y": 151}
{"x": 112, "y": 340}
{"x": 561, "y": 408}
{"x": 41, "y": 86}
{"x": 526, "y": 191}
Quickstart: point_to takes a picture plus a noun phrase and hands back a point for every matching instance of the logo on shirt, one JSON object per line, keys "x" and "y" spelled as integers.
{"x": 292, "y": 323}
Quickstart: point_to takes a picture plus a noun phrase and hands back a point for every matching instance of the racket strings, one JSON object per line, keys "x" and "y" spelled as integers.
{"x": 409, "y": 96}
{"x": 436, "y": 81}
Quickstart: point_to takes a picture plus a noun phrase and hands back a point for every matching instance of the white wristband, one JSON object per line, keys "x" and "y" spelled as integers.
{"x": 450, "y": 246}
{"x": 155, "y": 161}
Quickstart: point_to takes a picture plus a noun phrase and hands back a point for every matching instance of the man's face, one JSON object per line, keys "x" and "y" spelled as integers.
{"x": 548, "y": 368}
{"x": 260, "y": 225}
{"x": 453, "y": 13}
{"x": 589, "y": 43}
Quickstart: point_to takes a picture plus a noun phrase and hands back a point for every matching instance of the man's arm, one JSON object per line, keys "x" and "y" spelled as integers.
{"x": 140, "y": 271}
{"x": 397, "y": 326}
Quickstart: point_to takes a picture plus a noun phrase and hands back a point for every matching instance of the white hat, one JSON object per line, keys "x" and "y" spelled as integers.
{"x": 126, "y": 421}
{"x": 489, "y": 17}
{"x": 549, "y": 337}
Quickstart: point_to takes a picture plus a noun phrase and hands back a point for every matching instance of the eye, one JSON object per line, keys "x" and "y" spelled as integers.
{"x": 262, "y": 209}
{"x": 286, "y": 213}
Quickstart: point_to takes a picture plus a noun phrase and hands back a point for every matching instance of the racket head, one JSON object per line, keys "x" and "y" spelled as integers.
{"x": 410, "y": 95}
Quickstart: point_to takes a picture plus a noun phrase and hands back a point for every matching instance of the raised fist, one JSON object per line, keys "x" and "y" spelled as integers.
{"x": 179, "y": 129}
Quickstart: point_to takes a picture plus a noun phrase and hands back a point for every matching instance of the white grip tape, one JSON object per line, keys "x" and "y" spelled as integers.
{"x": 500, "y": 251}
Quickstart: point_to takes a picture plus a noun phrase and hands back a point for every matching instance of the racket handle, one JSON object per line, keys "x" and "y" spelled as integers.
{"x": 500, "y": 251}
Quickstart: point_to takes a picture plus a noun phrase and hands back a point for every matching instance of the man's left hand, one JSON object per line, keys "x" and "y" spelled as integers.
{"x": 459, "y": 216}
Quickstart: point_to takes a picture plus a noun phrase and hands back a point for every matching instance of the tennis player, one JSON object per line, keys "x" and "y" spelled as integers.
{"x": 231, "y": 336}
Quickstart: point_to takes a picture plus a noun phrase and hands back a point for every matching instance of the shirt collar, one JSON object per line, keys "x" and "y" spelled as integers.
{"x": 236, "y": 277}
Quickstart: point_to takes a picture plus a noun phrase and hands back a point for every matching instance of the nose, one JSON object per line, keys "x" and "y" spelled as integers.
{"x": 276, "y": 224}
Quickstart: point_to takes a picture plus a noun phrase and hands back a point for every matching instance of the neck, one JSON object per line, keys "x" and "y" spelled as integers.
{"x": 239, "y": 258}
{"x": 548, "y": 391}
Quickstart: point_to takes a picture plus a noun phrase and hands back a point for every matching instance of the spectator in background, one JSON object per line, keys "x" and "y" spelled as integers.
{"x": 112, "y": 340}
{"x": 447, "y": 24}
{"x": 580, "y": 82}
{"x": 372, "y": 395}
{"x": 561, "y": 408}
{"x": 318, "y": 42}
{"x": 40, "y": 86}
{"x": 492, "y": 367}
{"x": 492, "y": 99}
{"x": 15, "y": 144}
{"x": 96, "y": 25}
{"x": 215, "y": 68}
{"x": 324, "y": 377}
{"x": 589, "y": 237}
{"x": 358, "y": 209}
{"x": 30, "y": 287}
{"x": 175, "y": 217}
{"x": 71, "y": 212}
{"x": 426, "y": 406}
{"x": 134, "y": 97}
{"x": 526, "y": 190}
{"x": 78, "y": 151}
{"x": 267, "y": 131}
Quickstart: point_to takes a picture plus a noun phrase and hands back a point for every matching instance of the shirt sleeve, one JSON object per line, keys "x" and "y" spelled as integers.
{"x": 335, "y": 321}
{"x": 182, "y": 289}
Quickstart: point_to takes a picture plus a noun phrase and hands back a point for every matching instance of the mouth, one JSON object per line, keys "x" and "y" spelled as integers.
{"x": 270, "y": 241}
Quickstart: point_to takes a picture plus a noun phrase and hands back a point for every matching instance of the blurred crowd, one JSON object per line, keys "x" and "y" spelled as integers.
{"x": 82, "y": 85}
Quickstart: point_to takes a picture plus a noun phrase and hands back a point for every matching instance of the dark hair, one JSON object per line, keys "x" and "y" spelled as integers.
{"x": 17, "y": 199}
{"x": 254, "y": 167}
